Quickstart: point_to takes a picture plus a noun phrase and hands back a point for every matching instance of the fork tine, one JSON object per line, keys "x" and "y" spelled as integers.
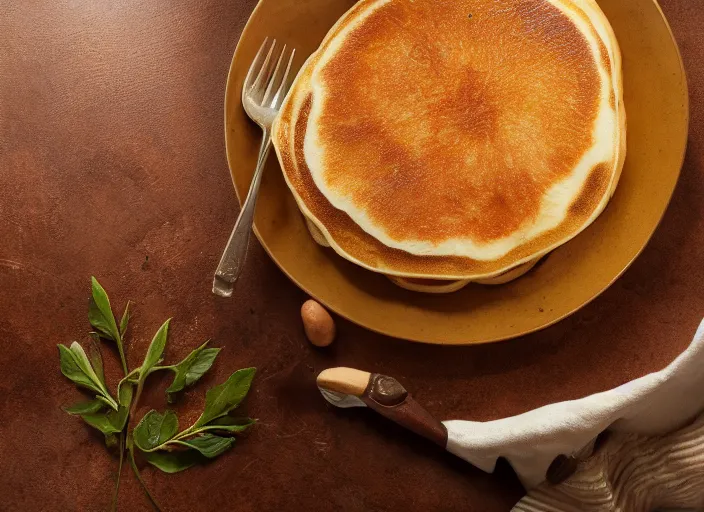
{"x": 255, "y": 67}
{"x": 264, "y": 71}
{"x": 278, "y": 98}
{"x": 274, "y": 76}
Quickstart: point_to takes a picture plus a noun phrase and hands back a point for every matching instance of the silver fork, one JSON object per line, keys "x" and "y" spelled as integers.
{"x": 263, "y": 92}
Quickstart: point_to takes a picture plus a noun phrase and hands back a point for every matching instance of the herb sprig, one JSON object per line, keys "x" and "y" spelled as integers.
{"x": 156, "y": 436}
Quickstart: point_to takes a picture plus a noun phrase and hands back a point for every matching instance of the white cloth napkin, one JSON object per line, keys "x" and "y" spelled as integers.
{"x": 655, "y": 404}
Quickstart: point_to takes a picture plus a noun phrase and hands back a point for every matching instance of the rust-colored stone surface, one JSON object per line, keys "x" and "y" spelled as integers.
{"x": 112, "y": 163}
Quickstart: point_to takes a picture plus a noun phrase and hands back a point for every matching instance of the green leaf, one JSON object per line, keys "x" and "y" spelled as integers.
{"x": 100, "y": 314}
{"x": 107, "y": 402}
{"x": 208, "y": 444}
{"x": 155, "y": 429}
{"x": 127, "y": 380}
{"x": 119, "y": 418}
{"x": 156, "y": 349}
{"x": 102, "y": 421}
{"x": 192, "y": 368}
{"x": 89, "y": 407}
{"x": 124, "y": 393}
{"x": 83, "y": 362}
{"x": 111, "y": 421}
{"x": 223, "y": 398}
{"x": 125, "y": 319}
{"x": 96, "y": 358}
{"x": 173, "y": 462}
{"x": 72, "y": 370}
{"x": 230, "y": 424}
{"x": 75, "y": 366}
{"x": 124, "y": 383}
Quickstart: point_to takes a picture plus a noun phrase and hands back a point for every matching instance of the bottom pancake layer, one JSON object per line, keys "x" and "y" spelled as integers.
{"x": 438, "y": 286}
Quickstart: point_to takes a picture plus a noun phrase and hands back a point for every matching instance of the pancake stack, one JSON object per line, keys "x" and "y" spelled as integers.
{"x": 442, "y": 142}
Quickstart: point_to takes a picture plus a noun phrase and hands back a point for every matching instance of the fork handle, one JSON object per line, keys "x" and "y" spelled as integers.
{"x": 233, "y": 256}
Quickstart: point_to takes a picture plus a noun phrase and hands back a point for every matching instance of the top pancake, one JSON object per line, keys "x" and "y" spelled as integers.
{"x": 455, "y": 139}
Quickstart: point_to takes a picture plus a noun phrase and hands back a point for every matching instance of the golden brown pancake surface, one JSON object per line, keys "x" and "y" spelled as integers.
{"x": 460, "y": 122}
{"x": 440, "y": 125}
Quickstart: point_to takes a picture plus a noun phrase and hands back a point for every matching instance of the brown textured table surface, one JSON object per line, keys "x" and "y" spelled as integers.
{"x": 112, "y": 163}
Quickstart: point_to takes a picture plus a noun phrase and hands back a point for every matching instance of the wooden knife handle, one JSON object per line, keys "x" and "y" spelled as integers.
{"x": 389, "y": 398}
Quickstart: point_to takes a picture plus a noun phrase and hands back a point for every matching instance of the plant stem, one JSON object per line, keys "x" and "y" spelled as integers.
{"x": 187, "y": 432}
{"x": 157, "y": 368}
{"x": 121, "y": 350}
{"x": 123, "y": 360}
{"x": 133, "y": 372}
{"x": 126, "y": 378}
{"x": 119, "y": 472}
{"x": 184, "y": 433}
{"x": 135, "y": 400}
{"x": 130, "y": 456}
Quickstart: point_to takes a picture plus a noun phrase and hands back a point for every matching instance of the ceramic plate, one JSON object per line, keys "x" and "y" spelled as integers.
{"x": 655, "y": 94}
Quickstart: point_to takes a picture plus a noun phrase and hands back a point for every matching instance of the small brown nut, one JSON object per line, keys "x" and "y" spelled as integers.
{"x": 318, "y": 324}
